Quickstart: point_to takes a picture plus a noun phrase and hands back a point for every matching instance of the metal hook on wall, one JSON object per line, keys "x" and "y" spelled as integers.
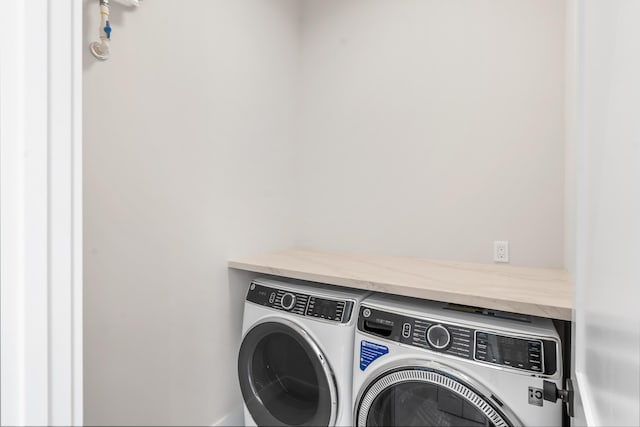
{"x": 100, "y": 49}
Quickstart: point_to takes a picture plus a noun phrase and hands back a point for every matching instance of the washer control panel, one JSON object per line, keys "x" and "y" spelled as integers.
{"x": 301, "y": 304}
{"x": 436, "y": 336}
{"x": 535, "y": 355}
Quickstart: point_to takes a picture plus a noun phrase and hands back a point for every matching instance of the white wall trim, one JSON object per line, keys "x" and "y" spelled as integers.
{"x": 584, "y": 390}
{"x": 11, "y": 213}
{"x": 77, "y": 386}
{"x": 41, "y": 212}
{"x": 606, "y": 344}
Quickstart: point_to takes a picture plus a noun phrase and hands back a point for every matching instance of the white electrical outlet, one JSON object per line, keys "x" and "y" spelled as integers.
{"x": 501, "y": 251}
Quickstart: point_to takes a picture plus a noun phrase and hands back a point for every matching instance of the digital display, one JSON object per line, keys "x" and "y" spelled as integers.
{"x": 508, "y": 351}
{"x": 325, "y": 309}
{"x": 511, "y": 349}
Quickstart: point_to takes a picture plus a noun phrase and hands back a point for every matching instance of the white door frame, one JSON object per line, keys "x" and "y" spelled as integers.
{"x": 41, "y": 212}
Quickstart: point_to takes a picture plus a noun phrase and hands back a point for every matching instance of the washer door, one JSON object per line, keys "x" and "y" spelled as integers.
{"x": 284, "y": 377}
{"x": 418, "y": 396}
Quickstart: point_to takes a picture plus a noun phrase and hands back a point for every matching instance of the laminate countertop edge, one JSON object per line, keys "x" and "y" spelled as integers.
{"x": 538, "y": 292}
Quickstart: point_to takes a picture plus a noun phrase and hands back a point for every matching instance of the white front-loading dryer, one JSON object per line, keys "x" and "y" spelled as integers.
{"x": 423, "y": 363}
{"x": 295, "y": 363}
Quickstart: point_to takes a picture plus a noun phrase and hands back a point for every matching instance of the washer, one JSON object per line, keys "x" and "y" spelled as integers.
{"x": 425, "y": 363}
{"x": 295, "y": 363}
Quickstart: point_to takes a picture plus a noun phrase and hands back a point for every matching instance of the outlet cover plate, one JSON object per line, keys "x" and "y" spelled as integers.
{"x": 501, "y": 251}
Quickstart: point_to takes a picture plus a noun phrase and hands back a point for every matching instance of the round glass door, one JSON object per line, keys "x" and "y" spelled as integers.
{"x": 424, "y": 397}
{"x": 284, "y": 378}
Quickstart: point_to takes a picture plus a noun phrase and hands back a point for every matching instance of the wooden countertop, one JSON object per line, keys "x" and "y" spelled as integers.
{"x": 535, "y": 291}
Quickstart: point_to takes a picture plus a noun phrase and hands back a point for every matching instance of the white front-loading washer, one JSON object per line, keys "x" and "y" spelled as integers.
{"x": 423, "y": 363}
{"x": 295, "y": 363}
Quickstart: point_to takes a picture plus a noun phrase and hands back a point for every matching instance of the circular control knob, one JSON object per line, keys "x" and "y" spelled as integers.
{"x": 438, "y": 337}
{"x": 288, "y": 301}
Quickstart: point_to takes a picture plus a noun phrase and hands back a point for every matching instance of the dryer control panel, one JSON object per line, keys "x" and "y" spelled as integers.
{"x": 535, "y": 355}
{"x": 509, "y": 351}
{"x": 308, "y": 305}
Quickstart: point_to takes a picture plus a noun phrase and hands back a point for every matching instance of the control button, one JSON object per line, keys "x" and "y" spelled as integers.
{"x": 272, "y": 297}
{"x": 406, "y": 330}
{"x": 288, "y": 301}
{"x": 438, "y": 337}
{"x": 366, "y": 312}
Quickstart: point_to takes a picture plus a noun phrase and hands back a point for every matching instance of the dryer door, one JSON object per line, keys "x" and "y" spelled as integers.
{"x": 419, "y": 396}
{"x": 284, "y": 377}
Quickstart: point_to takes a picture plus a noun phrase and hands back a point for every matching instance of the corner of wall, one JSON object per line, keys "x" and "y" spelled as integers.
{"x": 233, "y": 418}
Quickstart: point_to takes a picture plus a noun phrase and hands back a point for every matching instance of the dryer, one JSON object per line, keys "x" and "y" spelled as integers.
{"x": 295, "y": 363}
{"x": 425, "y": 363}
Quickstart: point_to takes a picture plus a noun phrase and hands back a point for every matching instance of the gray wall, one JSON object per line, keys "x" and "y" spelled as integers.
{"x": 432, "y": 128}
{"x": 188, "y": 150}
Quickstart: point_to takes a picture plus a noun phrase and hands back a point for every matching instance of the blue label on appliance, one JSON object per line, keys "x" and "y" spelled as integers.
{"x": 369, "y": 352}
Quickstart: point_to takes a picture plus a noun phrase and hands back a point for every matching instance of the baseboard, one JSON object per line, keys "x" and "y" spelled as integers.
{"x": 233, "y": 418}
